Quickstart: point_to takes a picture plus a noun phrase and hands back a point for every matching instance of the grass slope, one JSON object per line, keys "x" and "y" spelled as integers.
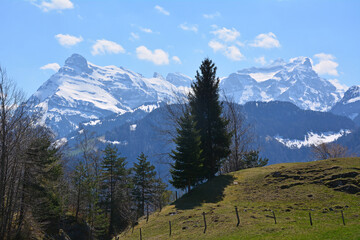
{"x": 291, "y": 190}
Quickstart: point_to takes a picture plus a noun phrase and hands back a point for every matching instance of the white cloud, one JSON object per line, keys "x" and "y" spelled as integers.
{"x": 162, "y": 10}
{"x": 266, "y": 40}
{"x": 187, "y": 27}
{"x": 105, "y": 46}
{"x": 324, "y": 56}
{"x": 67, "y": 40}
{"x": 53, "y": 5}
{"x": 158, "y": 56}
{"x": 326, "y": 65}
{"x": 52, "y": 66}
{"x": 231, "y": 52}
{"x": 176, "y": 59}
{"x": 227, "y": 35}
{"x": 338, "y": 85}
{"x": 261, "y": 60}
{"x": 134, "y": 36}
{"x": 211, "y": 16}
{"x": 216, "y": 46}
{"x": 146, "y": 30}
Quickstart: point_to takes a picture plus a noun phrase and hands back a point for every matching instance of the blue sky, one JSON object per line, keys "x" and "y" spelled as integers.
{"x": 148, "y": 36}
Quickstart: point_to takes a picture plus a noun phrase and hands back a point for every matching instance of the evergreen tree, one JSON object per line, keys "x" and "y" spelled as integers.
{"x": 144, "y": 183}
{"x": 114, "y": 175}
{"x": 207, "y": 110}
{"x": 42, "y": 184}
{"x": 188, "y": 166}
{"x": 251, "y": 159}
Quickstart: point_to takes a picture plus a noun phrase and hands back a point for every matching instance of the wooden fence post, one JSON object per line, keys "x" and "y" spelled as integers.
{"x": 237, "y": 216}
{"x": 311, "y": 223}
{"x": 170, "y": 228}
{"x": 274, "y": 216}
{"x": 204, "y": 222}
{"x": 147, "y": 212}
{"x": 140, "y": 234}
{"x": 342, "y": 216}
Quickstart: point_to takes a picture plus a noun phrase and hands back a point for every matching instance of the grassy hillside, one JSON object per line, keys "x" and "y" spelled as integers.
{"x": 291, "y": 190}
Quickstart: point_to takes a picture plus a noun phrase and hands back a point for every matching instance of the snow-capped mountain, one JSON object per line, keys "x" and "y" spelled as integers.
{"x": 295, "y": 82}
{"x": 349, "y": 105}
{"x": 179, "y": 79}
{"x": 81, "y": 92}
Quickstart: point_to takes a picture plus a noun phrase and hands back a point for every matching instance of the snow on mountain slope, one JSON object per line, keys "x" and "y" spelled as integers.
{"x": 312, "y": 139}
{"x": 179, "y": 79}
{"x": 295, "y": 82}
{"x": 352, "y": 95}
{"x": 83, "y": 92}
{"x": 349, "y": 105}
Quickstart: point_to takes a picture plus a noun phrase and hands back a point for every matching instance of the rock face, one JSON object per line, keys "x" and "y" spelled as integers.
{"x": 294, "y": 82}
{"x": 82, "y": 92}
{"x": 349, "y": 105}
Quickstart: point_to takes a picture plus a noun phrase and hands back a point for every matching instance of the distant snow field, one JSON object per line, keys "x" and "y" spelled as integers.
{"x": 312, "y": 139}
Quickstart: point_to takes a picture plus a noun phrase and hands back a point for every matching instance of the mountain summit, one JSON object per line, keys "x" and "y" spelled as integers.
{"x": 349, "y": 105}
{"x": 78, "y": 63}
{"x": 295, "y": 82}
{"x": 81, "y": 91}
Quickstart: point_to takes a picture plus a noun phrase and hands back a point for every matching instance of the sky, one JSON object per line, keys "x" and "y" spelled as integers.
{"x": 37, "y": 36}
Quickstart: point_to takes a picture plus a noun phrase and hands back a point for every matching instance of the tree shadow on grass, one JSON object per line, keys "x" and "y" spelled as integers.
{"x": 209, "y": 192}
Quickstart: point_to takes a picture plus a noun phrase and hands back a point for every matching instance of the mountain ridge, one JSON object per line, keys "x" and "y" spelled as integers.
{"x": 349, "y": 105}
{"x": 82, "y": 92}
{"x": 294, "y": 82}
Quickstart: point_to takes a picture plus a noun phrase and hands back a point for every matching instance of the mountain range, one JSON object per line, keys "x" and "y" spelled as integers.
{"x": 82, "y": 92}
{"x": 295, "y": 82}
{"x": 290, "y": 106}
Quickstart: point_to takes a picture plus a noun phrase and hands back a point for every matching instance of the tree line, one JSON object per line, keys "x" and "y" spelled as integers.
{"x": 108, "y": 195}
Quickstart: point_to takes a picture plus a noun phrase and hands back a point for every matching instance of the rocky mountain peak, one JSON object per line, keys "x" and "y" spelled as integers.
{"x": 307, "y": 63}
{"x": 351, "y": 95}
{"x": 158, "y": 75}
{"x": 77, "y": 63}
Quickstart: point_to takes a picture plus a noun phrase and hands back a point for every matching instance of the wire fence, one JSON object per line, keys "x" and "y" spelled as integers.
{"x": 239, "y": 220}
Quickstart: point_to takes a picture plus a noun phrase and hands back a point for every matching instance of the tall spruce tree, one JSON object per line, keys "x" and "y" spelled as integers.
{"x": 114, "y": 175}
{"x": 144, "y": 183}
{"x": 188, "y": 167}
{"x": 207, "y": 110}
{"x": 42, "y": 184}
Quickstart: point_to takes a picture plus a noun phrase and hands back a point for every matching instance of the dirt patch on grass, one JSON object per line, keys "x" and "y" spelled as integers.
{"x": 347, "y": 181}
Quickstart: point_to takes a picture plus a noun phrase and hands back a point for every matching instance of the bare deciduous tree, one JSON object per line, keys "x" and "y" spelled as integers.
{"x": 242, "y": 136}
{"x": 15, "y": 126}
{"x": 329, "y": 150}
